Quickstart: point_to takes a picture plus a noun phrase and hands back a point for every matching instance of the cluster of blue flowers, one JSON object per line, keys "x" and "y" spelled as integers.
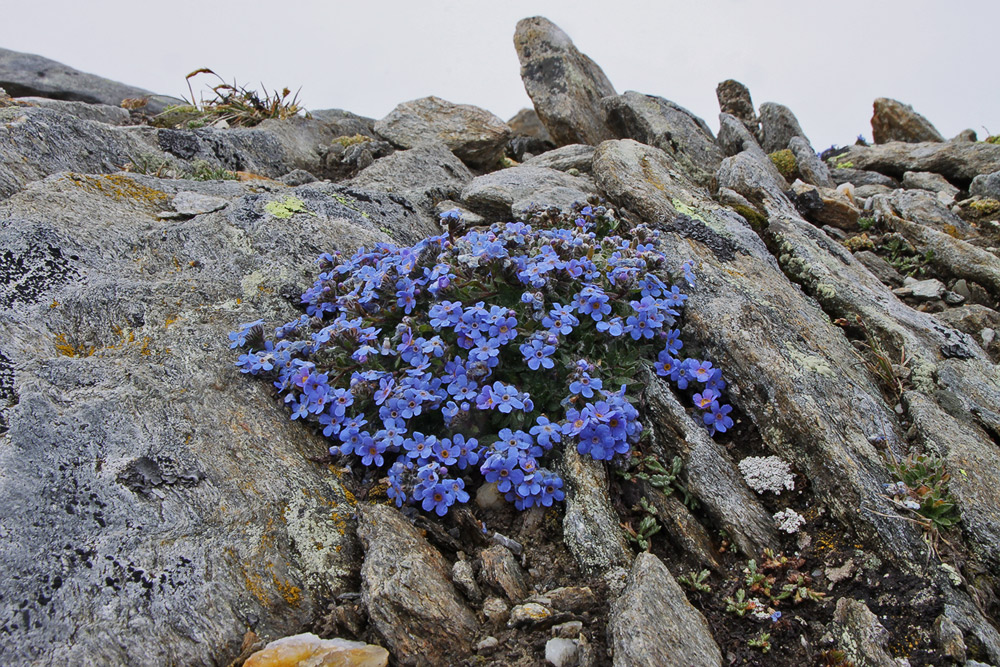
{"x": 485, "y": 353}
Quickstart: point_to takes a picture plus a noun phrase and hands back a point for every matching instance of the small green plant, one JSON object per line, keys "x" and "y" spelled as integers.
{"x": 924, "y": 490}
{"x": 994, "y": 139}
{"x": 648, "y": 527}
{"x": 904, "y": 257}
{"x": 203, "y": 171}
{"x": 649, "y": 469}
{"x": 879, "y": 362}
{"x": 695, "y": 581}
{"x": 739, "y": 604}
{"x": 235, "y": 104}
{"x": 866, "y": 223}
{"x": 761, "y": 641}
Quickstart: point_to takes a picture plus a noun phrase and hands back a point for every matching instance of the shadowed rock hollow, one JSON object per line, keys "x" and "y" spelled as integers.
{"x": 158, "y": 507}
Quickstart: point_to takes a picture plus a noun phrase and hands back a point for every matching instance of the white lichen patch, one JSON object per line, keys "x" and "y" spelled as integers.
{"x": 789, "y": 521}
{"x": 767, "y": 473}
{"x": 316, "y": 525}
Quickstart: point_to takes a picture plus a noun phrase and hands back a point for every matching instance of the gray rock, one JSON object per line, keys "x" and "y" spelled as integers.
{"x": 27, "y": 75}
{"x": 465, "y": 580}
{"x": 101, "y": 113}
{"x": 501, "y": 571}
{"x": 925, "y": 180}
{"x": 777, "y": 127}
{"x": 986, "y": 185}
{"x": 509, "y": 191}
{"x": 860, "y": 177}
{"x": 949, "y": 638}
{"x": 38, "y": 142}
{"x": 860, "y": 636}
{"x": 825, "y": 206}
{"x": 738, "y": 275}
{"x": 526, "y": 123}
{"x": 496, "y": 610}
{"x": 923, "y": 290}
{"x": 880, "y": 268}
{"x": 711, "y": 476}
{"x": 659, "y": 122}
{"x": 193, "y": 203}
{"x": 564, "y": 85}
{"x": 954, "y": 256}
{"x": 652, "y": 623}
{"x": 590, "y": 526}
{"x": 577, "y": 599}
{"x": 811, "y": 168}
{"x": 978, "y": 321}
{"x": 488, "y": 645}
{"x": 573, "y": 156}
{"x": 864, "y": 192}
{"x": 959, "y": 162}
{"x": 406, "y": 588}
{"x": 425, "y": 175}
{"x": 734, "y": 99}
{"x": 734, "y": 138}
{"x": 922, "y": 207}
{"x": 344, "y": 123}
{"x": 528, "y": 614}
{"x": 965, "y": 135}
{"x": 568, "y": 630}
{"x": 895, "y": 121}
{"x": 562, "y": 652}
{"x": 171, "y": 515}
{"x": 474, "y": 135}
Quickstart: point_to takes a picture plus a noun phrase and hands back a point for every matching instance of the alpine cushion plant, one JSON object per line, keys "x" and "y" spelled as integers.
{"x": 471, "y": 358}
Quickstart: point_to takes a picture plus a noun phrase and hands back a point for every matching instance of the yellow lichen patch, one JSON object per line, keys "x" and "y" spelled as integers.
{"x": 120, "y": 188}
{"x": 649, "y": 175}
{"x": 291, "y": 594}
{"x": 346, "y": 141}
{"x": 72, "y": 349}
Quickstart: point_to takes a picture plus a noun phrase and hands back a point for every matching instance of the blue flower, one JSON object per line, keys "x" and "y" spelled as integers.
{"x": 537, "y": 354}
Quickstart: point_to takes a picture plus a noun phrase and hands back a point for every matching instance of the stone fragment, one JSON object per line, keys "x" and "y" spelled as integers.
{"x": 465, "y": 580}
{"x": 923, "y": 290}
{"x": 924, "y": 208}
{"x": 565, "y": 86}
{"x": 345, "y": 124}
{"x": 734, "y": 99}
{"x": 860, "y": 177}
{"x": 949, "y": 639}
{"x": 425, "y": 175}
{"x": 495, "y": 609}
{"x": 590, "y": 526}
{"x": 860, "y": 636}
{"x": 826, "y": 206}
{"x": 655, "y": 121}
{"x": 734, "y": 138}
{"x": 810, "y": 167}
{"x": 568, "y": 630}
{"x": 652, "y": 623}
{"x": 777, "y": 127}
{"x": 510, "y": 191}
{"x": 193, "y": 203}
{"x": 488, "y": 645}
{"x": 965, "y": 135}
{"x": 577, "y": 599}
{"x": 406, "y": 587}
{"x": 864, "y": 192}
{"x": 297, "y": 177}
{"x": 527, "y": 123}
{"x": 959, "y": 162}
{"x": 573, "y": 156}
{"x": 474, "y": 135}
{"x": 978, "y": 321}
{"x": 925, "y": 180}
{"x": 308, "y": 649}
{"x": 882, "y": 269}
{"x": 25, "y": 74}
{"x": 986, "y": 185}
{"x": 562, "y": 652}
{"x": 895, "y": 121}
{"x": 527, "y": 614}
{"x": 501, "y": 571}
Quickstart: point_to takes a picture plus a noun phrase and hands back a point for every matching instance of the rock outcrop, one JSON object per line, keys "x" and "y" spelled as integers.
{"x": 156, "y": 508}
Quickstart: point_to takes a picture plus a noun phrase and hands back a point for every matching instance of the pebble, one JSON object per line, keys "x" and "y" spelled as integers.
{"x": 529, "y": 613}
{"x": 488, "y": 645}
{"x": 562, "y": 652}
{"x": 568, "y": 630}
{"x": 309, "y": 649}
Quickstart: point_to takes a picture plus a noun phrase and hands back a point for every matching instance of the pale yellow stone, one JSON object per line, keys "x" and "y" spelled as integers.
{"x": 308, "y": 650}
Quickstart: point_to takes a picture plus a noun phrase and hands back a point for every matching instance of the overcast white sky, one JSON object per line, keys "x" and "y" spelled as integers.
{"x": 827, "y": 61}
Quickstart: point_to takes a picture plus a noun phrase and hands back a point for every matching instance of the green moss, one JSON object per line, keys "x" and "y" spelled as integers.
{"x": 995, "y": 139}
{"x": 785, "y": 163}
{"x": 756, "y": 219}
{"x": 286, "y": 208}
